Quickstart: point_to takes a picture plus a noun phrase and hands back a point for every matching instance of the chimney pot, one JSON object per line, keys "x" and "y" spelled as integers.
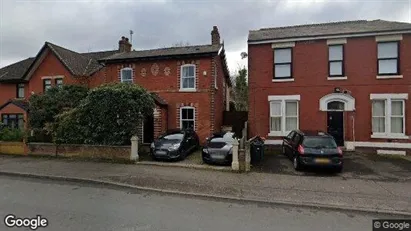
{"x": 124, "y": 45}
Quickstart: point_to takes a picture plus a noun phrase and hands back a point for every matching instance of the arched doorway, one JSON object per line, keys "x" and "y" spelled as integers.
{"x": 335, "y": 104}
{"x": 335, "y": 121}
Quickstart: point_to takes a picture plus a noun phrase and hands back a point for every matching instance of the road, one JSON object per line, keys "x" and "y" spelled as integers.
{"x": 69, "y": 206}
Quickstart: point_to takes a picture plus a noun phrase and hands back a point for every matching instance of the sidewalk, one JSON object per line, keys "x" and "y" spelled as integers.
{"x": 316, "y": 191}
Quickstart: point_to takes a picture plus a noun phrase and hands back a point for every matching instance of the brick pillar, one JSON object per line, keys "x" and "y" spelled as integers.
{"x": 157, "y": 121}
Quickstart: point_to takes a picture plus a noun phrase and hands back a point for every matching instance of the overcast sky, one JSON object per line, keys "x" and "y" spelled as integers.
{"x": 97, "y": 25}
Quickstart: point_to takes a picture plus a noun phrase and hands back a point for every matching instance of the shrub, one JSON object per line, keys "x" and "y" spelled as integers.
{"x": 7, "y": 134}
{"x": 109, "y": 115}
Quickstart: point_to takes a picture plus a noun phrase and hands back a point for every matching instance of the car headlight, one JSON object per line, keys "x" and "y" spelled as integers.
{"x": 205, "y": 150}
{"x": 174, "y": 147}
{"x": 230, "y": 152}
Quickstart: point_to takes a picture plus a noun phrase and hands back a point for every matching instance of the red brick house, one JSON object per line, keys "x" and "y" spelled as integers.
{"x": 351, "y": 79}
{"x": 190, "y": 85}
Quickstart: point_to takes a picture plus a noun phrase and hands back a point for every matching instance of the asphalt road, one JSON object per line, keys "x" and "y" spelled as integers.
{"x": 69, "y": 206}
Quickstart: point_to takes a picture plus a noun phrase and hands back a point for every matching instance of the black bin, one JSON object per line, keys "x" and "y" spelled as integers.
{"x": 256, "y": 150}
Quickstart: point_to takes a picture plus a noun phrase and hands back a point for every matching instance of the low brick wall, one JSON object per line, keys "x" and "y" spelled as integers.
{"x": 79, "y": 150}
{"x": 12, "y": 148}
{"x": 372, "y": 150}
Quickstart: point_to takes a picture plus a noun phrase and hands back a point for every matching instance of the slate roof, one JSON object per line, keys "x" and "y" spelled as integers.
{"x": 159, "y": 101}
{"x": 19, "y": 103}
{"x": 323, "y": 29}
{"x": 16, "y": 70}
{"x": 163, "y": 52}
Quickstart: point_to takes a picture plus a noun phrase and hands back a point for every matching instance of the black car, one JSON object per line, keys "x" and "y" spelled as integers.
{"x": 174, "y": 144}
{"x": 312, "y": 148}
{"x": 219, "y": 148}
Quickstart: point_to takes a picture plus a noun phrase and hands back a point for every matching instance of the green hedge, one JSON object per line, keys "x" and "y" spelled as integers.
{"x": 7, "y": 134}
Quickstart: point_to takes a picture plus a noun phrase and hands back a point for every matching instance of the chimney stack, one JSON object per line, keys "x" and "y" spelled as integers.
{"x": 124, "y": 45}
{"x": 215, "y": 36}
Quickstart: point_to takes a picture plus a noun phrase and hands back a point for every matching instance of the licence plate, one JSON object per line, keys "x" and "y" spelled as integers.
{"x": 322, "y": 161}
{"x": 161, "y": 152}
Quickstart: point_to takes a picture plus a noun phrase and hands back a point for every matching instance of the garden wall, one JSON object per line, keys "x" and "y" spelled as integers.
{"x": 13, "y": 148}
{"x": 80, "y": 150}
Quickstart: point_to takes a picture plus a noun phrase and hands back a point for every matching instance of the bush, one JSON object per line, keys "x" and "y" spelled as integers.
{"x": 43, "y": 108}
{"x": 7, "y": 134}
{"x": 109, "y": 115}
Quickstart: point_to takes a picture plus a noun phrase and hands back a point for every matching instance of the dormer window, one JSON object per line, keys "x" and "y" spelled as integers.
{"x": 126, "y": 75}
{"x": 188, "y": 77}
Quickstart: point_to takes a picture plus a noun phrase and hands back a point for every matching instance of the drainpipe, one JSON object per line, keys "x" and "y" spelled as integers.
{"x": 353, "y": 129}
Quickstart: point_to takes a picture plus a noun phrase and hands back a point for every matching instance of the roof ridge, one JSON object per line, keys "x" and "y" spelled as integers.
{"x": 177, "y": 47}
{"x": 93, "y": 52}
{"x": 317, "y": 24}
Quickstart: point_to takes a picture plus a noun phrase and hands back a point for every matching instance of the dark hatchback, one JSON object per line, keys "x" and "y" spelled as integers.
{"x": 174, "y": 145}
{"x": 312, "y": 148}
{"x": 219, "y": 149}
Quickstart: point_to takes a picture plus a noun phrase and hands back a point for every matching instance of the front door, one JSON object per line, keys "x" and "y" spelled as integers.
{"x": 335, "y": 126}
{"x": 148, "y": 129}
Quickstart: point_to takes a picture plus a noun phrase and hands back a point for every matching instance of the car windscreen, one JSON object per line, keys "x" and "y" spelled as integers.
{"x": 319, "y": 142}
{"x": 174, "y": 136}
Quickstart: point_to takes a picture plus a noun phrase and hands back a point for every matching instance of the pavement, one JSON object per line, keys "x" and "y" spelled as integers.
{"x": 78, "y": 206}
{"x": 321, "y": 191}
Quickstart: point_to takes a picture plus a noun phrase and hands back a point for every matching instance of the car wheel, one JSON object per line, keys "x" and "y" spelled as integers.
{"x": 296, "y": 163}
{"x": 283, "y": 150}
{"x": 153, "y": 157}
{"x": 339, "y": 169}
{"x": 183, "y": 155}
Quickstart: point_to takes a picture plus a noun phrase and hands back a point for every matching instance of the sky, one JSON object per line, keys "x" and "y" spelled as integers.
{"x": 98, "y": 25}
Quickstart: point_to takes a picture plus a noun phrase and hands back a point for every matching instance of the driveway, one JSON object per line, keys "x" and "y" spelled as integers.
{"x": 356, "y": 165}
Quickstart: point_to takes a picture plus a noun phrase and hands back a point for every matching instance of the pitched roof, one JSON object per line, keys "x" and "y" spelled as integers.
{"x": 164, "y": 52}
{"x": 323, "y": 29}
{"x": 15, "y": 71}
{"x": 19, "y": 103}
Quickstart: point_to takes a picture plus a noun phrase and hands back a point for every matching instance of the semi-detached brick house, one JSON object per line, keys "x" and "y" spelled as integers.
{"x": 351, "y": 79}
{"x": 190, "y": 84}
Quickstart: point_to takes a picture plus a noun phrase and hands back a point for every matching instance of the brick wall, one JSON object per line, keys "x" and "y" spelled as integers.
{"x": 81, "y": 151}
{"x": 310, "y": 72}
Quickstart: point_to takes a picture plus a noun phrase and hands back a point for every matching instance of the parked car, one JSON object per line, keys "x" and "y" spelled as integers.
{"x": 219, "y": 148}
{"x": 174, "y": 144}
{"x": 312, "y": 148}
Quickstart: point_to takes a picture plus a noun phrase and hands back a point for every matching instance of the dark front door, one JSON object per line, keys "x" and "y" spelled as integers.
{"x": 335, "y": 126}
{"x": 148, "y": 129}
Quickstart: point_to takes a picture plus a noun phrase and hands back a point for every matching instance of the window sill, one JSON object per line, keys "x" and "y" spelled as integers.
{"x": 337, "y": 78}
{"x": 187, "y": 90}
{"x": 389, "y": 136}
{"x": 278, "y": 134}
{"x": 283, "y": 80}
{"x": 389, "y": 76}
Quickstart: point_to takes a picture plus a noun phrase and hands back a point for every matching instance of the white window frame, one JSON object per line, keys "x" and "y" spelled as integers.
{"x": 388, "y": 99}
{"x": 283, "y": 99}
{"x": 121, "y": 74}
{"x": 181, "y": 78}
{"x": 194, "y": 116}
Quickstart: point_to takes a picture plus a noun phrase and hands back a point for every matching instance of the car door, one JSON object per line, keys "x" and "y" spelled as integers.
{"x": 191, "y": 142}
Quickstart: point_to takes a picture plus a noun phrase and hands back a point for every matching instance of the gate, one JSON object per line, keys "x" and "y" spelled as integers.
{"x": 236, "y": 120}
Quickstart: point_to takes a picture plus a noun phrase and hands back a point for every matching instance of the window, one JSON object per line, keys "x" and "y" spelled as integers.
{"x": 335, "y": 60}
{"x": 46, "y": 84}
{"x": 283, "y": 117}
{"x": 388, "y": 58}
{"x": 126, "y": 75}
{"x": 187, "y": 119}
{"x": 188, "y": 78}
{"x": 388, "y": 117}
{"x": 283, "y": 63}
{"x": 13, "y": 121}
{"x": 59, "y": 82}
{"x": 20, "y": 90}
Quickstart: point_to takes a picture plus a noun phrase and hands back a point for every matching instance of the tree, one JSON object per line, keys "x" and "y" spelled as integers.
{"x": 241, "y": 90}
{"x": 44, "y": 108}
{"x": 109, "y": 115}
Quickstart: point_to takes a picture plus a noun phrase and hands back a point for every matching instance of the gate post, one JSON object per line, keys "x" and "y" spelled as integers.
{"x": 134, "y": 148}
{"x": 247, "y": 156}
{"x": 235, "y": 165}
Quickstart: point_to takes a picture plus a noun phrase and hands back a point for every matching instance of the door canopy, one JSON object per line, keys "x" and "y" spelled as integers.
{"x": 348, "y": 100}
